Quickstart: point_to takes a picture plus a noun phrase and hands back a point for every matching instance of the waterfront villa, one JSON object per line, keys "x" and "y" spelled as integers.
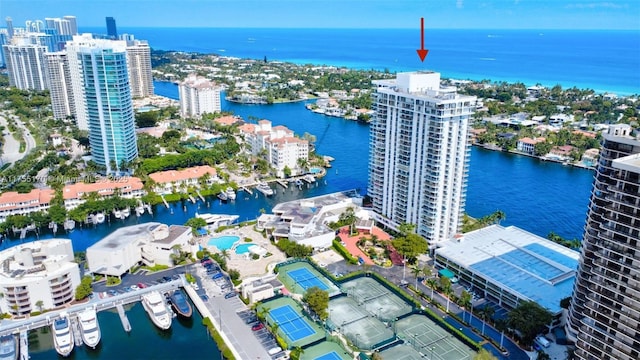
{"x": 305, "y": 220}
{"x": 37, "y": 275}
{"x": 126, "y": 187}
{"x": 14, "y": 203}
{"x": 509, "y": 265}
{"x": 283, "y": 148}
{"x": 149, "y": 244}
{"x": 167, "y": 182}
{"x": 527, "y": 145}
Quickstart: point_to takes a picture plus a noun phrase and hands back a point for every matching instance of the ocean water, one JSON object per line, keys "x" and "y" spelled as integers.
{"x": 600, "y": 60}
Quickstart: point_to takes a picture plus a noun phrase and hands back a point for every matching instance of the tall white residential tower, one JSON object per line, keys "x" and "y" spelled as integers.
{"x": 25, "y": 64}
{"x": 59, "y": 79}
{"x": 198, "y": 96}
{"x": 419, "y": 154}
{"x": 139, "y": 63}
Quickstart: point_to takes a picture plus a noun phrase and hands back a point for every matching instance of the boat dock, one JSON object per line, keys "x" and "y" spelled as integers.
{"x": 193, "y": 200}
{"x": 24, "y": 345}
{"x": 75, "y": 328}
{"x": 164, "y": 201}
{"x": 123, "y": 318}
{"x": 283, "y": 183}
{"x": 200, "y": 195}
{"x": 246, "y": 189}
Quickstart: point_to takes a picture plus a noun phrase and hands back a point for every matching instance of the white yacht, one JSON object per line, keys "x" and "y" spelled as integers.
{"x": 264, "y": 188}
{"x": 231, "y": 194}
{"x": 309, "y": 178}
{"x": 99, "y": 218}
{"x": 62, "y": 336}
{"x": 89, "y": 327}
{"x": 126, "y": 212}
{"x": 8, "y": 347}
{"x": 214, "y": 221}
{"x": 157, "y": 308}
{"x": 117, "y": 214}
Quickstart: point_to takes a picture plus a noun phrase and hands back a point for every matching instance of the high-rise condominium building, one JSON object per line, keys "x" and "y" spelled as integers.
{"x": 101, "y": 68}
{"x": 419, "y": 154}
{"x": 73, "y": 24}
{"x": 59, "y": 79}
{"x": 604, "y": 316}
{"x": 112, "y": 31}
{"x": 198, "y": 96}
{"x": 9, "y": 22}
{"x": 140, "y": 76}
{"x": 25, "y": 64}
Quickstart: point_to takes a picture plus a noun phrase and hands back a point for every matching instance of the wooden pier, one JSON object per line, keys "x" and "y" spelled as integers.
{"x": 283, "y": 183}
{"x": 193, "y": 200}
{"x": 123, "y": 317}
{"x": 200, "y": 196}
{"x": 246, "y": 189}
{"x": 164, "y": 201}
{"x": 75, "y": 328}
{"x": 24, "y": 345}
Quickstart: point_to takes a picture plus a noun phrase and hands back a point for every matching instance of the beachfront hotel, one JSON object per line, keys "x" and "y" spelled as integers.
{"x": 419, "y": 151}
{"x": 283, "y": 149}
{"x": 37, "y": 275}
{"x": 604, "y": 316}
{"x": 150, "y": 244}
{"x": 100, "y": 81}
{"x": 198, "y": 96}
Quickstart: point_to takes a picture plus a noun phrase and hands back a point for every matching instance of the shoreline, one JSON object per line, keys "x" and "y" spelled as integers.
{"x": 540, "y": 158}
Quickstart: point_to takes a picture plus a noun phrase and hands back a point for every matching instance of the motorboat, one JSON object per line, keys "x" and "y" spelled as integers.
{"x": 139, "y": 210}
{"x": 62, "y": 336}
{"x": 99, "y": 218}
{"x": 214, "y": 221}
{"x": 309, "y": 178}
{"x": 89, "y": 327}
{"x": 8, "y": 347}
{"x": 117, "y": 214}
{"x": 157, "y": 308}
{"x": 126, "y": 212}
{"x": 299, "y": 182}
{"x": 264, "y": 188}
{"x": 69, "y": 224}
{"x": 180, "y": 303}
{"x": 231, "y": 194}
{"x": 223, "y": 196}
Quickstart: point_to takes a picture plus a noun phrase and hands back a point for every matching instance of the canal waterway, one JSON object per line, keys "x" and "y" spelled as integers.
{"x": 145, "y": 341}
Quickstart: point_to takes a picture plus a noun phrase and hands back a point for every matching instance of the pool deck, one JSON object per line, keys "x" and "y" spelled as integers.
{"x": 240, "y": 262}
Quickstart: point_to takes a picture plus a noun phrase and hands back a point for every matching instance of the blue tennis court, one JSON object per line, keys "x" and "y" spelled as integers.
{"x": 329, "y": 356}
{"x": 306, "y": 279}
{"x": 291, "y": 323}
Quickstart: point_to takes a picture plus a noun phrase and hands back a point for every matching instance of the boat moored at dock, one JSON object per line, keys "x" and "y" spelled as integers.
{"x": 8, "y": 347}
{"x": 264, "y": 188}
{"x": 180, "y": 304}
{"x": 89, "y": 327}
{"x": 214, "y": 221}
{"x": 231, "y": 194}
{"x": 157, "y": 308}
{"x": 62, "y": 336}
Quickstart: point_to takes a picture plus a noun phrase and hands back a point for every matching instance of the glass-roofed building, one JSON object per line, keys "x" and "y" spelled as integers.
{"x": 510, "y": 265}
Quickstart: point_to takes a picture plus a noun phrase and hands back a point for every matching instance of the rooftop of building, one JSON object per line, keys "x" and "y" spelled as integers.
{"x": 31, "y": 259}
{"x": 515, "y": 260}
{"x": 124, "y": 236}
{"x": 13, "y": 199}
{"x": 629, "y": 163}
{"x": 102, "y": 187}
{"x": 175, "y": 231}
{"x": 195, "y": 172}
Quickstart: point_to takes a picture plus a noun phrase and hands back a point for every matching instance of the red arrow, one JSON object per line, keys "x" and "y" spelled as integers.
{"x": 422, "y": 53}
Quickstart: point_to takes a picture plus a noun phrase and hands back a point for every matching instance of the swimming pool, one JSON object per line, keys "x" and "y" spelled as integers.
{"x": 315, "y": 170}
{"x": 243, "y": 249}
{"x": 224, "y": 242}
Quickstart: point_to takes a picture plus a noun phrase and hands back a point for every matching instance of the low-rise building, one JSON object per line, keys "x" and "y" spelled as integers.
{"x": 262, "y": 288}
{"x": 167, "y": 182}
{"x": 14, "y": 203}
{"x": 305, "y": 220}
{"x": 283, "y": 148}
{"x": 148, "y": 244}
{"x": 528, "y": 145}
{"x": 126, "y": 187}
{"x": 37, "y": 275}
{"x": 509, "y": 265}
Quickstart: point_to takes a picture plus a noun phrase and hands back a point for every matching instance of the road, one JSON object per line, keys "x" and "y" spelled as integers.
{"x": 11, "y": 147}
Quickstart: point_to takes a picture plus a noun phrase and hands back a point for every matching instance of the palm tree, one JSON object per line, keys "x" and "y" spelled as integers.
{"x": 427, "y": 272}
{"x": 465, "y": 302}
{"x": 486, "y": 314}
{"x": 432, "y": 283}
{"x": 39, "y": 305}
{"x": 416, "y": 271}
{"x": 225, "y": 254}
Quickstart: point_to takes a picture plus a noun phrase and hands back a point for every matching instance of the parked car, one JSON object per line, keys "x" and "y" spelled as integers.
{"x": 166, "y": 278}
{"x": 251, "y": 319}
{"x": 135, "y": 287}
{"x": 258, "y": 326}
{"x": 229, "y": 295}
{"x": 142, "y": 285}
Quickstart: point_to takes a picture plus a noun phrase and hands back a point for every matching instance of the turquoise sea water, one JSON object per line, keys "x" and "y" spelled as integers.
{"x": 600, "y": 60}
{"x": 224, "y": 242}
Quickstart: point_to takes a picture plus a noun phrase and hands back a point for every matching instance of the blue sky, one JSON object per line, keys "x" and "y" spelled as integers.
{"x": 478, "y": 14}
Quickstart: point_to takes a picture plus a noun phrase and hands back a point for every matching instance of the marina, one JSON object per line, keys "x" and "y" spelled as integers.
{"x": 62, "y": 335}
{"x": 180, "y": 304}
{"x": 89, "y": 327}
{"x": 157, "y": 309}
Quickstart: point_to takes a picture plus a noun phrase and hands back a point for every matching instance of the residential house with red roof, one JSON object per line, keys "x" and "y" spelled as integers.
{"x": 126, "y": 187}
{"x": 167, "y": 182}
{"x": 14, "y": 203}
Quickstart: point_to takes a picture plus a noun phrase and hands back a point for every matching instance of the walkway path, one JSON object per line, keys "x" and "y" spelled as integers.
{"x": 351, "y": 245}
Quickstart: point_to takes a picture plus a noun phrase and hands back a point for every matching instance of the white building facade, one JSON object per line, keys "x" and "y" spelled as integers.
{"x": 38, "y": 275}
{"x": 25, "y": 64}
{"x": 198, "y": 96}
{"x": 59, "y": 79}
{"x": 139, "y": 64}
{"x": 419, "y": 154}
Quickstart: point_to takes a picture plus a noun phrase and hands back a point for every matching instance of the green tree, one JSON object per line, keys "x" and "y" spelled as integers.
{"x": 465, "y": 302}
{"x": 84, "y": 289}
{"x": 433, "y": 284}
{"x": 146, "y": 119}
{"x": 195, "y": 223}
{"x": 529, "y": 319}
{"x": 411, "y": 245}
{"x": 483, "y": 354}
{"x": 39, "y": 305}
{"x": 317, "y": 300}
{"x": 416, "y": 271}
